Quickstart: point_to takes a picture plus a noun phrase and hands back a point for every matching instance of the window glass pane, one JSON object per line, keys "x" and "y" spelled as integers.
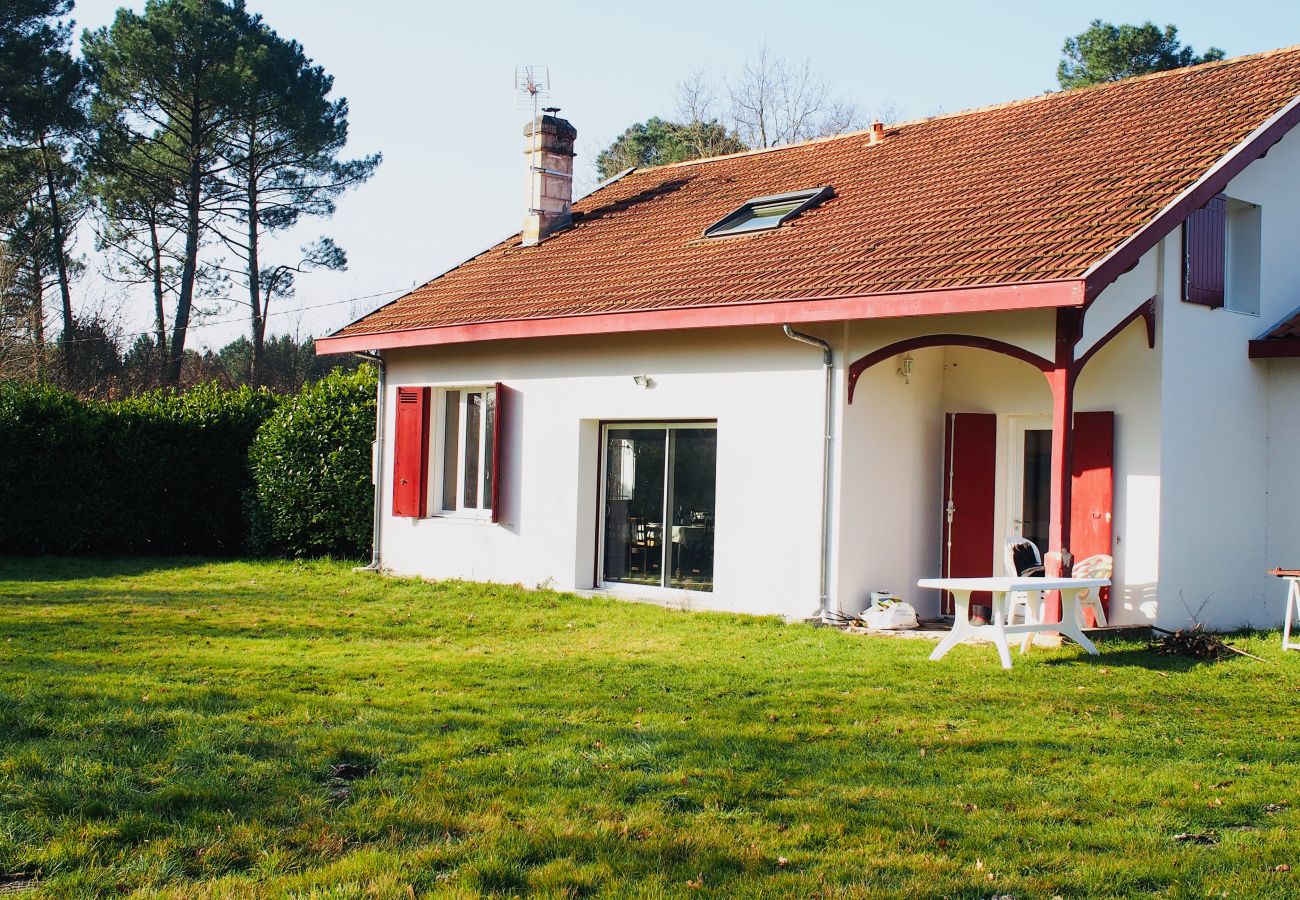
{"x": 761, "y": 217}
{"x": 450, "y": 450}
{"x": 634, "y": 505}
{"x": 1036, "y": 491}
{"x": 489, "y": 436}
{"x": 694, "y": 455}
{"x": 473, "y": 423}
{"x": 773, "y": 210}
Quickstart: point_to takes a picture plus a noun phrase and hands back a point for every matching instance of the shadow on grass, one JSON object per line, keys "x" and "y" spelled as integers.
{"x": 1138, "y": 657}
{"x": 73, "y": 568}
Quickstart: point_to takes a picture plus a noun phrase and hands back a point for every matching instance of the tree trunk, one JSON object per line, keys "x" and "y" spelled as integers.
{"x": 56, "y": 227}
{"x": 254, "y": 274}
{"x": 38, "y": 321}
{"x": 193, "y": 201}
{"x": 160, "y": 315}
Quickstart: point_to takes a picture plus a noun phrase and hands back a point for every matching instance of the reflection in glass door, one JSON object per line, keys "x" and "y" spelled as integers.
{"x": 659, "y": 498}
{"x": 634, "y": 497}
{"x": 1036, "y": 487}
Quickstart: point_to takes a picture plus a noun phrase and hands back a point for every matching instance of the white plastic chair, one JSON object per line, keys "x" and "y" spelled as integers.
{"x": 1033, "y": 604}
{"x": 1099, "y": 566}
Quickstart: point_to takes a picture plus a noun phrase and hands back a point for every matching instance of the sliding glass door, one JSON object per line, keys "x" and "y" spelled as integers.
{"x": 659, "y": 499}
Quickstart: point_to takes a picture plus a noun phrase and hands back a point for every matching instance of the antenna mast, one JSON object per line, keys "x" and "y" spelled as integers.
{"x": 532, "y": 86}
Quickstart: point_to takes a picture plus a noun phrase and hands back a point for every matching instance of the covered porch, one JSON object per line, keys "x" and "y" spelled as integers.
{"x": 960, "y": 433}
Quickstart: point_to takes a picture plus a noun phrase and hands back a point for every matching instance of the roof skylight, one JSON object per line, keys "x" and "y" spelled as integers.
{"x": 765, "y": 213}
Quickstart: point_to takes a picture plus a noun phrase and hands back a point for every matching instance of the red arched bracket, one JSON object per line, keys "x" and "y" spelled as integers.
{"x": 1146, "y": 312}
{"x": 944, "y": 340}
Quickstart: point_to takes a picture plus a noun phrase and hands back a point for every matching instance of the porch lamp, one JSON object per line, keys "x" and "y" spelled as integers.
{"x": 905, "y": 368}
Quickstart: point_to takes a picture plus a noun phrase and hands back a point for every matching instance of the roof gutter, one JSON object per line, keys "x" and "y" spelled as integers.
{"x": 376, "y": 461}
{"x": 826, "y": 308}
{"x": 828, "y": 359}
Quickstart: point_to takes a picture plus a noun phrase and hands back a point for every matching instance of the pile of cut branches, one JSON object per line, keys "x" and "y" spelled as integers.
{"x": 1194, "y": 643}
{"x": 839, "y": 619}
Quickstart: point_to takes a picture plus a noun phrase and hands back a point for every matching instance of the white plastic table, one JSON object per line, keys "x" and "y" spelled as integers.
{"x": 1000, "y": 587}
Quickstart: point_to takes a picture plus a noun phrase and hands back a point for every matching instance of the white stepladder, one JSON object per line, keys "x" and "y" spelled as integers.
{"x": 1292, "y": 605}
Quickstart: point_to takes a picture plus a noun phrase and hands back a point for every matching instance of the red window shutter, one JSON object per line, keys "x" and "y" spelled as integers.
{"x": 969, "y": 479}
{"x": 1092, "y": 488}
{"x": 503, "y": 410}
{"x": 411, "y": 453}
{"x": 1205, "y": 244}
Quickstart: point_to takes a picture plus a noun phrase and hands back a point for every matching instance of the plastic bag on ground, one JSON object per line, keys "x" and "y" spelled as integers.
{"x": 891, "y": 618}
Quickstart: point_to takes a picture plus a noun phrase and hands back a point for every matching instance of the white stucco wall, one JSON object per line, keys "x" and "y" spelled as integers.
{"x": 1229, "y": 501}
{"x": 887, "y": 530}
{"x": 764, "y": 390}
{"x": 1124, "y": 378}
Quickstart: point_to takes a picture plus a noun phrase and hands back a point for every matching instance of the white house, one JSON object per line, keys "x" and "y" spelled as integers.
{"x": 776, "y": 381}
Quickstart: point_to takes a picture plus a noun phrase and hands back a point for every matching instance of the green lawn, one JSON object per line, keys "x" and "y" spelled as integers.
{"x": 168, "y": 727}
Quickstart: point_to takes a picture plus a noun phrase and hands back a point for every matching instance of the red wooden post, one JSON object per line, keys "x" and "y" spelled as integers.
{"x": 1061, "y": 380}
{"x": 1092, "y": 492}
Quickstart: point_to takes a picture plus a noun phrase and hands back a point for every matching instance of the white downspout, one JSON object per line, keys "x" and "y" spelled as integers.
{"x": 377, "y": 459}
{"x": 823, "y": 611}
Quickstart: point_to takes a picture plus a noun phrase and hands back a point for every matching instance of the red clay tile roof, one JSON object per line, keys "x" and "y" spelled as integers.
{"x": 1030, "y": 191}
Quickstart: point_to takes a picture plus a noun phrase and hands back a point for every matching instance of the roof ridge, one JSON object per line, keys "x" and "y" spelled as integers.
{"x": 988, "y": 107}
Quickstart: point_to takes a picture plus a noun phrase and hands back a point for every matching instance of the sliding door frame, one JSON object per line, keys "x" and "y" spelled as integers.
{"x": 626, "y": 587}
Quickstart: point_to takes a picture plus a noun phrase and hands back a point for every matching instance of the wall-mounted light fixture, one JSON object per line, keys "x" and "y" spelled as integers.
{"x": 644, "y": 381}
{"x": 905, "y": 368}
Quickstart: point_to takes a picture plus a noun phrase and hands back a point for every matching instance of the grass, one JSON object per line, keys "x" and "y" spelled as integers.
{"x": 168, "y": 728}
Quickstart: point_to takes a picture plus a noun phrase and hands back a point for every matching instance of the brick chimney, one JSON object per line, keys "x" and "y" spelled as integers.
{"x": 549, "y": 148}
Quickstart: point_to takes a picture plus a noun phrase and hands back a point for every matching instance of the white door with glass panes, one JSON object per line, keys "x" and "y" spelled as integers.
{"x": 1029, "y": 479}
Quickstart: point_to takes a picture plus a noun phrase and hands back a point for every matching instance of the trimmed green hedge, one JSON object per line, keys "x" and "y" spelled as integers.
{"x": 52, "y": 475}
{"x": 164, "y": 472}
{"x": 157, "y": 473}
{"x": 312, "y": 492}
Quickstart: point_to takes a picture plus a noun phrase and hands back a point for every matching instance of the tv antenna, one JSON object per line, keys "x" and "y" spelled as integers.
{"x": 532, "y": 87}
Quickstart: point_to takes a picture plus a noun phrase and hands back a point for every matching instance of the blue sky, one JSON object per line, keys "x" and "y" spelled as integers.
{"x": 429, "y": 85}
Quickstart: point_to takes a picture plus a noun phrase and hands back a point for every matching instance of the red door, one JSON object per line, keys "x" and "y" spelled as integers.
{"x": 1092, "y": 487}
{"x": 969, "y": 475}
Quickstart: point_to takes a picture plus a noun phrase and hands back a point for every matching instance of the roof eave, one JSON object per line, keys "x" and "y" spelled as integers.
{"x": 945, "y": 301}
{"x": 1274, "y": 348}
{"x": 1277, "y": 342}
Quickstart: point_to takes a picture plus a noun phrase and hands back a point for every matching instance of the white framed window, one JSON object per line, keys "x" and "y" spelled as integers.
{"x": 464, "y": 462}
{"x": 1242, "y": 282}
